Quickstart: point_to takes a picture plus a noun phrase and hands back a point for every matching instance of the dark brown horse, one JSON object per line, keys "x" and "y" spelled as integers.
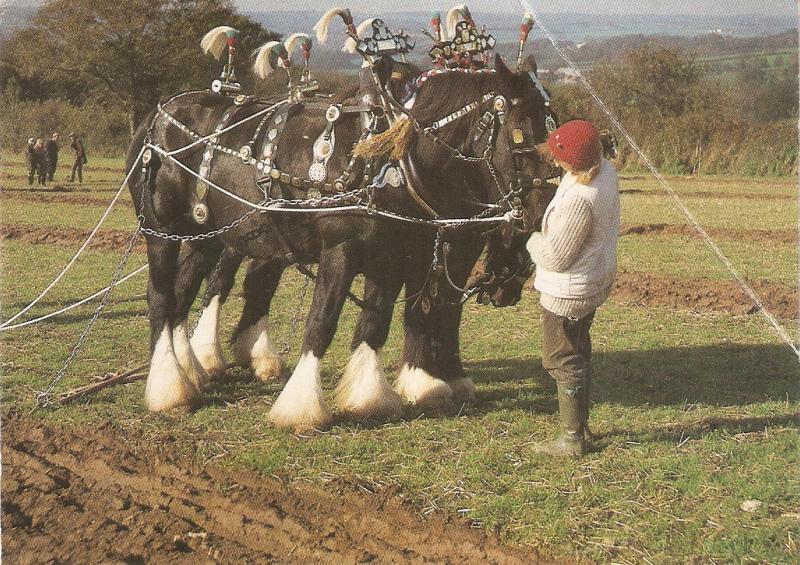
{"x": 459, "y": 168}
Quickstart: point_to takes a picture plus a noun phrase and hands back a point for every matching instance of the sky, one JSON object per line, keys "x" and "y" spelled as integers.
{"x": 664, "y": 7}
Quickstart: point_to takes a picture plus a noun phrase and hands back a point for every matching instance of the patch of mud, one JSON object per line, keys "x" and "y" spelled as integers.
{"x": 683, "y": 230}
{"x": 703, "y": 295}
{"x": 112, "y": 240}
{"x": 47, "y": 196}
{"x": 712, "y": 194}
{"x": 103, "y": 495}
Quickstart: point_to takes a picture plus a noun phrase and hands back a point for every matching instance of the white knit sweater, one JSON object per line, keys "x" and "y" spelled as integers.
{"x": 575, "y": 254}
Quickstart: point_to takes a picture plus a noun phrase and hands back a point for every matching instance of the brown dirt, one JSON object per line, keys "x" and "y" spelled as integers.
{"x": 703, "y": 295}
{"x": 104, "y": 495}
{"x": 712, "y": 194}
{"x": 788, "y": 236}
{"x": 114, "y": 240}
{"x": 48, "y": 196}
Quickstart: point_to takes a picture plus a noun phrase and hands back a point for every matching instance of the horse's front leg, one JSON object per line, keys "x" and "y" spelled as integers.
{"x": 364, "y": 392}
{"x": 252, "y": 345}
{"x": 301, "y": 406}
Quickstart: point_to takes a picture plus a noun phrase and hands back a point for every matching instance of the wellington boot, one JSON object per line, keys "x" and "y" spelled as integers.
{"x": 571, "y": 442}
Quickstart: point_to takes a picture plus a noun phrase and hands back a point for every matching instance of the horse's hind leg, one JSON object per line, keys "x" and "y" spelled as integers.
{"x": 301, "y": 405}
{"x": 364, "y": 391}
{"x": 221, "y": 275}
{"x": 252, "y": 345}
{"x": 168, "y": 384}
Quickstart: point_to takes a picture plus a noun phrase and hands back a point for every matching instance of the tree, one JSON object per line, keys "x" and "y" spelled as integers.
{"x": 130, "y": 53}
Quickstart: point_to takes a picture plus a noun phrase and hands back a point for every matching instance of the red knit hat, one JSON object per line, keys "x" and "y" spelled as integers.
{"x": 576, "y": 143}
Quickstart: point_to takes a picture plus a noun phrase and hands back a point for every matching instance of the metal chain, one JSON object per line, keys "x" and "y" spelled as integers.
{"x": 43, "y": 399}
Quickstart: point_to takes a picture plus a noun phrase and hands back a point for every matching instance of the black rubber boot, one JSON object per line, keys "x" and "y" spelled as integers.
{"x": 572, "y": 409}
{"x": 587, "y": 399}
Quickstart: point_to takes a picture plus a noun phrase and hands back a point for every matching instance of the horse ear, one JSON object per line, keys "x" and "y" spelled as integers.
{"x": 502, "y": 69}
{"x": 383, "y": 68}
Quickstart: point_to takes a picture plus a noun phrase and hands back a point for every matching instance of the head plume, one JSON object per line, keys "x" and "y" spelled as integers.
{"x": 350, "y": 44}
{"x": 455, "y": 15}
{"x": 324, "y": 23}
{"x": 269, "y": 57}
{"x": 215, "y": 41}
{"x": 295, "y": 40}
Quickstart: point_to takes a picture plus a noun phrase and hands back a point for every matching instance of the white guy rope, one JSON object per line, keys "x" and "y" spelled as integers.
{"x": 80, "y": 250}
{"x": 72, "y": 306}
{"x": 762, "y": 308}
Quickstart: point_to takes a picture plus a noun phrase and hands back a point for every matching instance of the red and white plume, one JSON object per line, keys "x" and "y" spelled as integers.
{"x": 455, "y": 15}
{"x": 267, "y": 58}
{"x": 294, "y": 40}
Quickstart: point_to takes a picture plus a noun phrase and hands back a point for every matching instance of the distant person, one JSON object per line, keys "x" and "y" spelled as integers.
{"x": 576, "y": 264}
{"x": 79, "y": 150}
{"x": 52, "y": 155}
{"x": 30, "y": 158}
{"x": 42, "y": 167}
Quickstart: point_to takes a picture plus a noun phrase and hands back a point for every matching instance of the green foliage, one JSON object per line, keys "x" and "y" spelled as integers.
{"x": 687, "y": 122}
{"x": 129, "y": 54}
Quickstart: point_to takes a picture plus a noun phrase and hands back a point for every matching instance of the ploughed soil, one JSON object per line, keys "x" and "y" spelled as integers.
{"x": 100, "y": 494}
{"x": 703, "y": 295}
{"x": 712, "y": 194}
{"x": 58, "y": 194}
{"x": 107, "y": 239}
{"x": 786, "y": 236}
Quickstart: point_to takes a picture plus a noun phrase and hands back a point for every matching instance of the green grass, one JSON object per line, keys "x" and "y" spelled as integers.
{"x": 696, "y": 413}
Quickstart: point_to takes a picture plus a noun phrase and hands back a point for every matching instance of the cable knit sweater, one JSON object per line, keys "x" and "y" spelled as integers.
{"x": 577, "y": 250}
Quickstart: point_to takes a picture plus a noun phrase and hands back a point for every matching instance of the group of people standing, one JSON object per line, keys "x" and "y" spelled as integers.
{"x": 42, "y": 158}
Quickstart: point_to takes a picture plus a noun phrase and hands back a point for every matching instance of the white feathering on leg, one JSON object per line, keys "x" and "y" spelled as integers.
{"x": 463, "y": 390}
{"x": 364, "y": 391}
{"x": 167, "y": 385}
{"x": 205, "y": 341}
{"x": 254, "y": 348}
{"x": 421, "y": 389}
{"x": 300, "y": 405}
{"x": 187, "y": 359}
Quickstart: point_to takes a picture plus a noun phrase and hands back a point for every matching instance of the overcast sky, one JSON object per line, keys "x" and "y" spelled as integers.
{"x": 710, "y": 7}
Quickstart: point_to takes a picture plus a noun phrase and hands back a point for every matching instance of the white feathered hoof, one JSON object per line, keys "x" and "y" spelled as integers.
{"x": 187, "y": 359}
{"x": 364, "y": 393}
{"x": 300, "y": 406}
{"x": 168, "y": 387}
{"x": 423, "y": 390}
{"x": 205, "y": 341}
{"x": 254, "y": 349}
{"x": 463, "y": 390}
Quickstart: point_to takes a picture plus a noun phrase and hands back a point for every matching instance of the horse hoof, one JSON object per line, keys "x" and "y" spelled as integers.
{"x": 363, "y": 393}
{"x": 267, "y": 369}
{"x": 300, "y": 406}
{"x": 463, "y": 390}
{"x": 423, "y": 390}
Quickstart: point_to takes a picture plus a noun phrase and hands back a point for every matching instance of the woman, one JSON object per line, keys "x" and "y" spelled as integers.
{"x": 576, "y": 263}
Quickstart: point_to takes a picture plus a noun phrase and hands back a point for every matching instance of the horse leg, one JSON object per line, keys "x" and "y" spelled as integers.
{"x": 420, "y": 381}
{"x": 301, "y": 406}
{"x": 252, "y": 345}
{"x": 364, "y": 391}
{"x": 168, "y": 385}
{"x": 205, "y": 340}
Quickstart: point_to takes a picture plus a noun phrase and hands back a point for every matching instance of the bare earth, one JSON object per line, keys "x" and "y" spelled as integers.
{"x": 104, "y": 495}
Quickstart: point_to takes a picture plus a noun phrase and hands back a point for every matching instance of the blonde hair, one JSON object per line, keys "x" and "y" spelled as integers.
{"x": 585, "y": 176}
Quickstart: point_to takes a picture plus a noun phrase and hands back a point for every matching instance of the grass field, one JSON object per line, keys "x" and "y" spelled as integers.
{"x": 696, "y": 410}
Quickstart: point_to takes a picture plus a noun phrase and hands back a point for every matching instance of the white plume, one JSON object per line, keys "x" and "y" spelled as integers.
{"x": 293, "y": 41}
{"x": 350, "y": 44}
{"x": 321, "y": 27}
{"x": 214, "y": 41}
{"x": 261, "y": 66}
{"x": 454, "y": 16}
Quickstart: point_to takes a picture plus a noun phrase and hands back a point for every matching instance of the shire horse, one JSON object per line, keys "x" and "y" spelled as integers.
{"x": 390, "y": 253}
